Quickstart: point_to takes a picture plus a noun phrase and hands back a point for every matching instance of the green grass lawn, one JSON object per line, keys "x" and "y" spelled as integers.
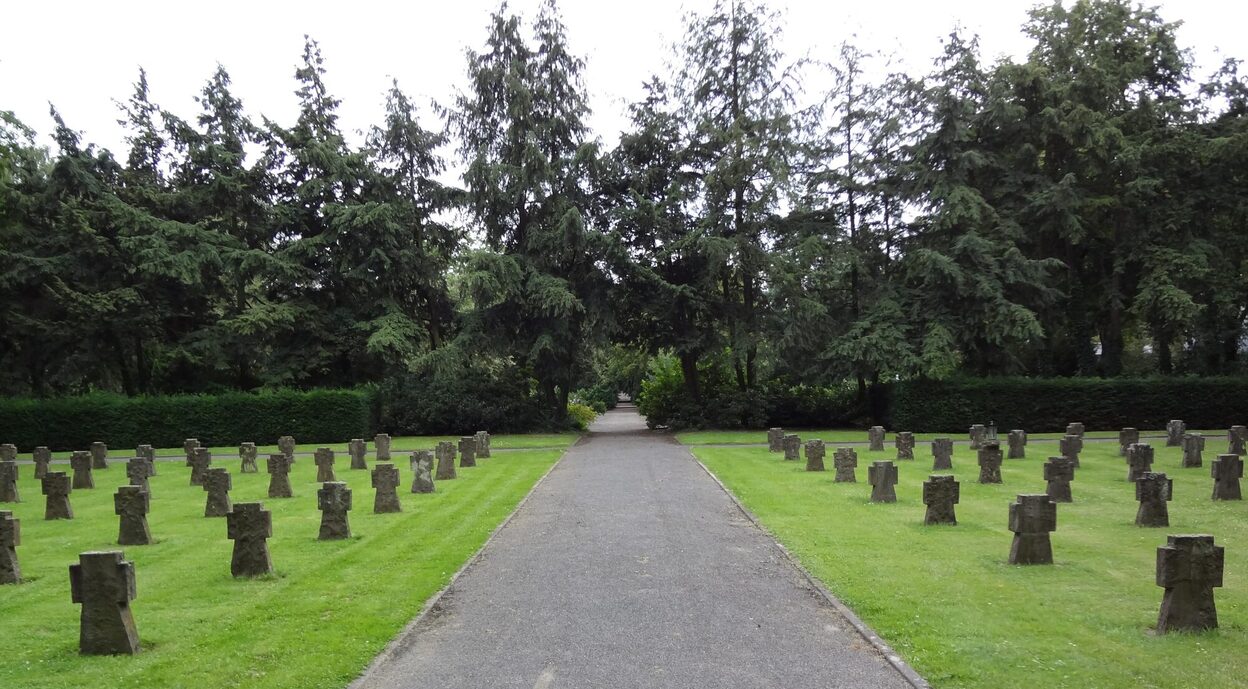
{"x": 330, "y": 607}
{"x": 842, "y": 435}
{"x": 946, "y": 599}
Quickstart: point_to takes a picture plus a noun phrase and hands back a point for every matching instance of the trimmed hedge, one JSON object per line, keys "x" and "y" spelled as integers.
{"x": 1048, "y": 404}
{"x": 73, "y": 423}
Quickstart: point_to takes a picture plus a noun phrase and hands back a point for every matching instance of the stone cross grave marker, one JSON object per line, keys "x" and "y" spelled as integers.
{"x": 792, "y": 447}
{"x": 8, "y": 452}
{"x": 56, "y": 485}
{"x": 201, "y": 462}
{"x": 278, "y": 466}
{"x": 324, "y": 465}
{"x": 357, "y": 449}
{"x": 882, "y": 476}
{"x": 989, "y": 457}
{"x": 1153, "y": 490}
{"x": 99, "y": 455}
{"x": 942, "y": 454}
{"x": 445, "y": 452}
{"x": 43, "y": 457}
{"x": 10, "y": 538}
{"x": 188, "y": 447}
{"x": 1175, "y": 430}
{"x": 422, "y": 471}
{"x": 483, "y": 444}
{"x": 1189, "y": 567}
{"x": 1237, "y": 437}
{"x": 1075, "y": 428}
{"x": 80, "y": 462}
{"x": 386, "y": 482}
{"x": 845, "y": 460}
{"x": 814, "y": 455}
{"x": 1139, "y": 460}
{"x": 1126, "y": 438}
{"x": 8, "y": 482}
{"x": 334, "y": 501}
{"x": 148, "y": 454}
{"x": 131, "y": 504}
{"x": 978, "y": 432}
{"x": 381, "y": 446}
{"x": 1070, "y": 446}
{"x": 775, "y": 440}
{"x": 1193, "y": 446}
{"x": 467, "y": 452}
{"x": 247, "y": 453}
{"x": 1032, "y": 517}
{"x": 1227, "y": 470}
{"x": 250, "y": 526}
{"x": 1017, "y": 442}
{"x": 875, "y": 439}
{"x": 940, "y": 494}
{"x": 1058, "y": 473}
{"x": 103, "y": 582}
{"x": 136, "y": 473}
{"x": 286, "y": 445}
{"x": 217, "y": 483}
{"x": 904, "y": 442}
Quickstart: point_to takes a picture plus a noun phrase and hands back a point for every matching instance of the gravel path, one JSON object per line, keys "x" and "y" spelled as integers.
{"x": 629, "y": 566}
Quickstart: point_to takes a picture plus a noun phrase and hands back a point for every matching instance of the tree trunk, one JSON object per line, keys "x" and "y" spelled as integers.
{"x": 1165, "y": 365}
{"x": 689, "y": 367}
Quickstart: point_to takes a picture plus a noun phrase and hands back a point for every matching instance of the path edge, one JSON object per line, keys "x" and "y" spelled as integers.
{"x": 901, "y": 666}
{"x": 411, "y": 628}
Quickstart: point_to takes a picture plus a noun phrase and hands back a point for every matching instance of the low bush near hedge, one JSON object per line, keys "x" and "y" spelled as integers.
{"x": 73, "y": 423}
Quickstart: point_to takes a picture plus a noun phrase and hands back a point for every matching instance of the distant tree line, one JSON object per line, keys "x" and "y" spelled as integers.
{"x": 1082, "y": 212}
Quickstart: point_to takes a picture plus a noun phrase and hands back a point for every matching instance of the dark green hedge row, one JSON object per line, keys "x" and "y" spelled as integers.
{"x": 317, "y": 416}
{"x": 1048, "y": 404}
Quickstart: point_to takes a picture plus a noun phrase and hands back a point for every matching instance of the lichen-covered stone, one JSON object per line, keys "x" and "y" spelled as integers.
{"x": 483, "y": 444}
{"x": 1032, "y": 517}
{"x": 775, "y": 440}
{"x": 217, "y": 483}
{"x": 1153, "y": 491}
{"x": 422, "y": 471}
{"x": 247, "y": 454}
{"x": 977, "y": 433}
{"x": 989, "y": 457}
{"x": 942, "y": 454}
{"x": 904, "y": 442}
{"x": 286, "y": 445}
{"x": 1237, "y": 437}
{"x": 1189, "y": 567}
{"x": 381, "y": 446}
{"x": 250, "y": 526}
{"x": 131, "y": 504}
{"x": 1070, "y": 446}
{"x": 882, "y": 476}
{"x": 845, "y": 460}
{"x": 56, "y": 486}
{"x": 357, "y": 448}
{"x": 148, "y": 454}
{"x": 334, "y": 501}
{"x": 445, "y": 453}
{"x": 875, "y": 438}
{"x": 1058, "y": 473}
{"x": 324, "y": 465}
{"x": 8, "y": 452}
{"x": 792, "y": 447}
{"x": 940, "y": 494}
{"x": 1075, "y": 428}
{"x": 814, "y": 455}
{"x": 1139, "y": 460}
{"x": 43, "y": 457}
{"x": 10, "y": 538}
{"x": 8, "y": 482}
{"x": 278, "y": 466}
{"x": 1227, "y": 470}
{"x": 103, "y": 582}
{"x": 80, "y": 462}
{"x": 1193, "y": 447}
{"x": 99, "y": 455}
{"x": 467, "y": 452}
{"x": 137, "y": 474}
{"x": 1017, "y": 443}
{"x": 1175, "y": 430}
{"x": 188, "y": 447}
{"x": 386, "y": 484}
{"x": 201, "y": 461}
{"x": 1126, "y": 438}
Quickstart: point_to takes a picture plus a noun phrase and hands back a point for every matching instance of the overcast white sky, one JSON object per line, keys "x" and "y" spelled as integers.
{"x": 82, "y": 55}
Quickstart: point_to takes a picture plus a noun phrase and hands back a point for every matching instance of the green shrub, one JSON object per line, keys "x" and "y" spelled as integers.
{"x": 1048, "y": 404}
{"x": 459, "y": 402}
{"x": 581, "y": 415}
{"x": 73, "y": 423}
